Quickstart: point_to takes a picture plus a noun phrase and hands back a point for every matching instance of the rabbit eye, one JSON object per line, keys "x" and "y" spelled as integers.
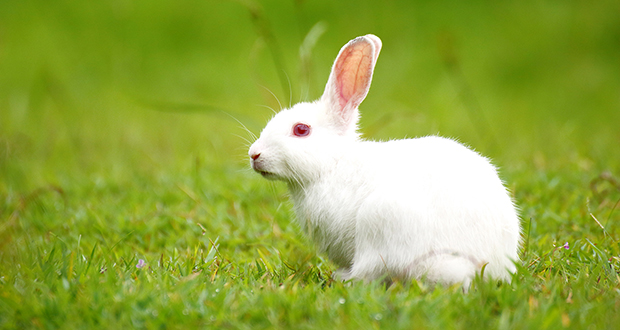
{"x": 301, "y": 130}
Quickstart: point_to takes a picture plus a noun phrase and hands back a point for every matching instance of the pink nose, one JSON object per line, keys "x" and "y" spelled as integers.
{"x": 255, "y": 156}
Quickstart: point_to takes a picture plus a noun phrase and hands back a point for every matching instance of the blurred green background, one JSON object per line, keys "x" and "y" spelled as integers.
{"x": 122, "y": 138}
{"x": 114, "y": 89}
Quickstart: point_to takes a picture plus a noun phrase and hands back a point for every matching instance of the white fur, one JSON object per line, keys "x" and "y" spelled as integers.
{"x": 415, "y": 208}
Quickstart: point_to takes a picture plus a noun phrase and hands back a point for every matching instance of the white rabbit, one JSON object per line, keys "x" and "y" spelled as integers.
{"x": 417, "y": 208}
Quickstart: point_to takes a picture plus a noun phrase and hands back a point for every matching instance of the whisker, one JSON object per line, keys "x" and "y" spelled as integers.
{"x": 290, "y": 90}
{"x": 298, "y": 180}
{"x": 274, "y": 186}
{"x": 248, "y": 142}
{"x": 252, "y": 135}
{"x": 272, "y": 94}
{"x": 243, "y": 170}
{"x": 268, "y": 107}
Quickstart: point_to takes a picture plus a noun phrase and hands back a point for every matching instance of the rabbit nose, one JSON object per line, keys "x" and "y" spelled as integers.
{"x": 255, "y": 156}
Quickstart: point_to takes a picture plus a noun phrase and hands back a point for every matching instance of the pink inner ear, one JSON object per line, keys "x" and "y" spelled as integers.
{"x": 353, "y": 74}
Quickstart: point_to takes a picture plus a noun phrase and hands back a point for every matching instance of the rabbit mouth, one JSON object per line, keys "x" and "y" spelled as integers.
{"x": 263, "y": 173}
{"x": 267, "y": 175}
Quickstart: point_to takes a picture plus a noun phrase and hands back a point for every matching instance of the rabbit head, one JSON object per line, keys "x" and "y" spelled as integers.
{"x": 300, "y": 142}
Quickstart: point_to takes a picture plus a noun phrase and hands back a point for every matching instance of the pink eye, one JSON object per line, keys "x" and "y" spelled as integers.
{"x": 301, "y": 130}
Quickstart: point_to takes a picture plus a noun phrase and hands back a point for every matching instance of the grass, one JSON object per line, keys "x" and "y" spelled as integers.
{"x": 117, "y": 145}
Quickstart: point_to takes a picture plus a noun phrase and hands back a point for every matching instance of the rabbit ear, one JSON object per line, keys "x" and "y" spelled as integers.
{"x": 350, "y": 79}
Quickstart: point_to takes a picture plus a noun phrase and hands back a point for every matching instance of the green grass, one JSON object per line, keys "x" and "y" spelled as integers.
{"x": 117, "y": 143}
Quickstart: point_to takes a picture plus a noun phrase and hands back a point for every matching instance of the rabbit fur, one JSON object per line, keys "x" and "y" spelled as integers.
{"x": 427, "y": 207}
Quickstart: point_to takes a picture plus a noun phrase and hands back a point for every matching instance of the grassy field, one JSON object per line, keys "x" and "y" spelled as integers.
{"x": 126, "y": 199}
